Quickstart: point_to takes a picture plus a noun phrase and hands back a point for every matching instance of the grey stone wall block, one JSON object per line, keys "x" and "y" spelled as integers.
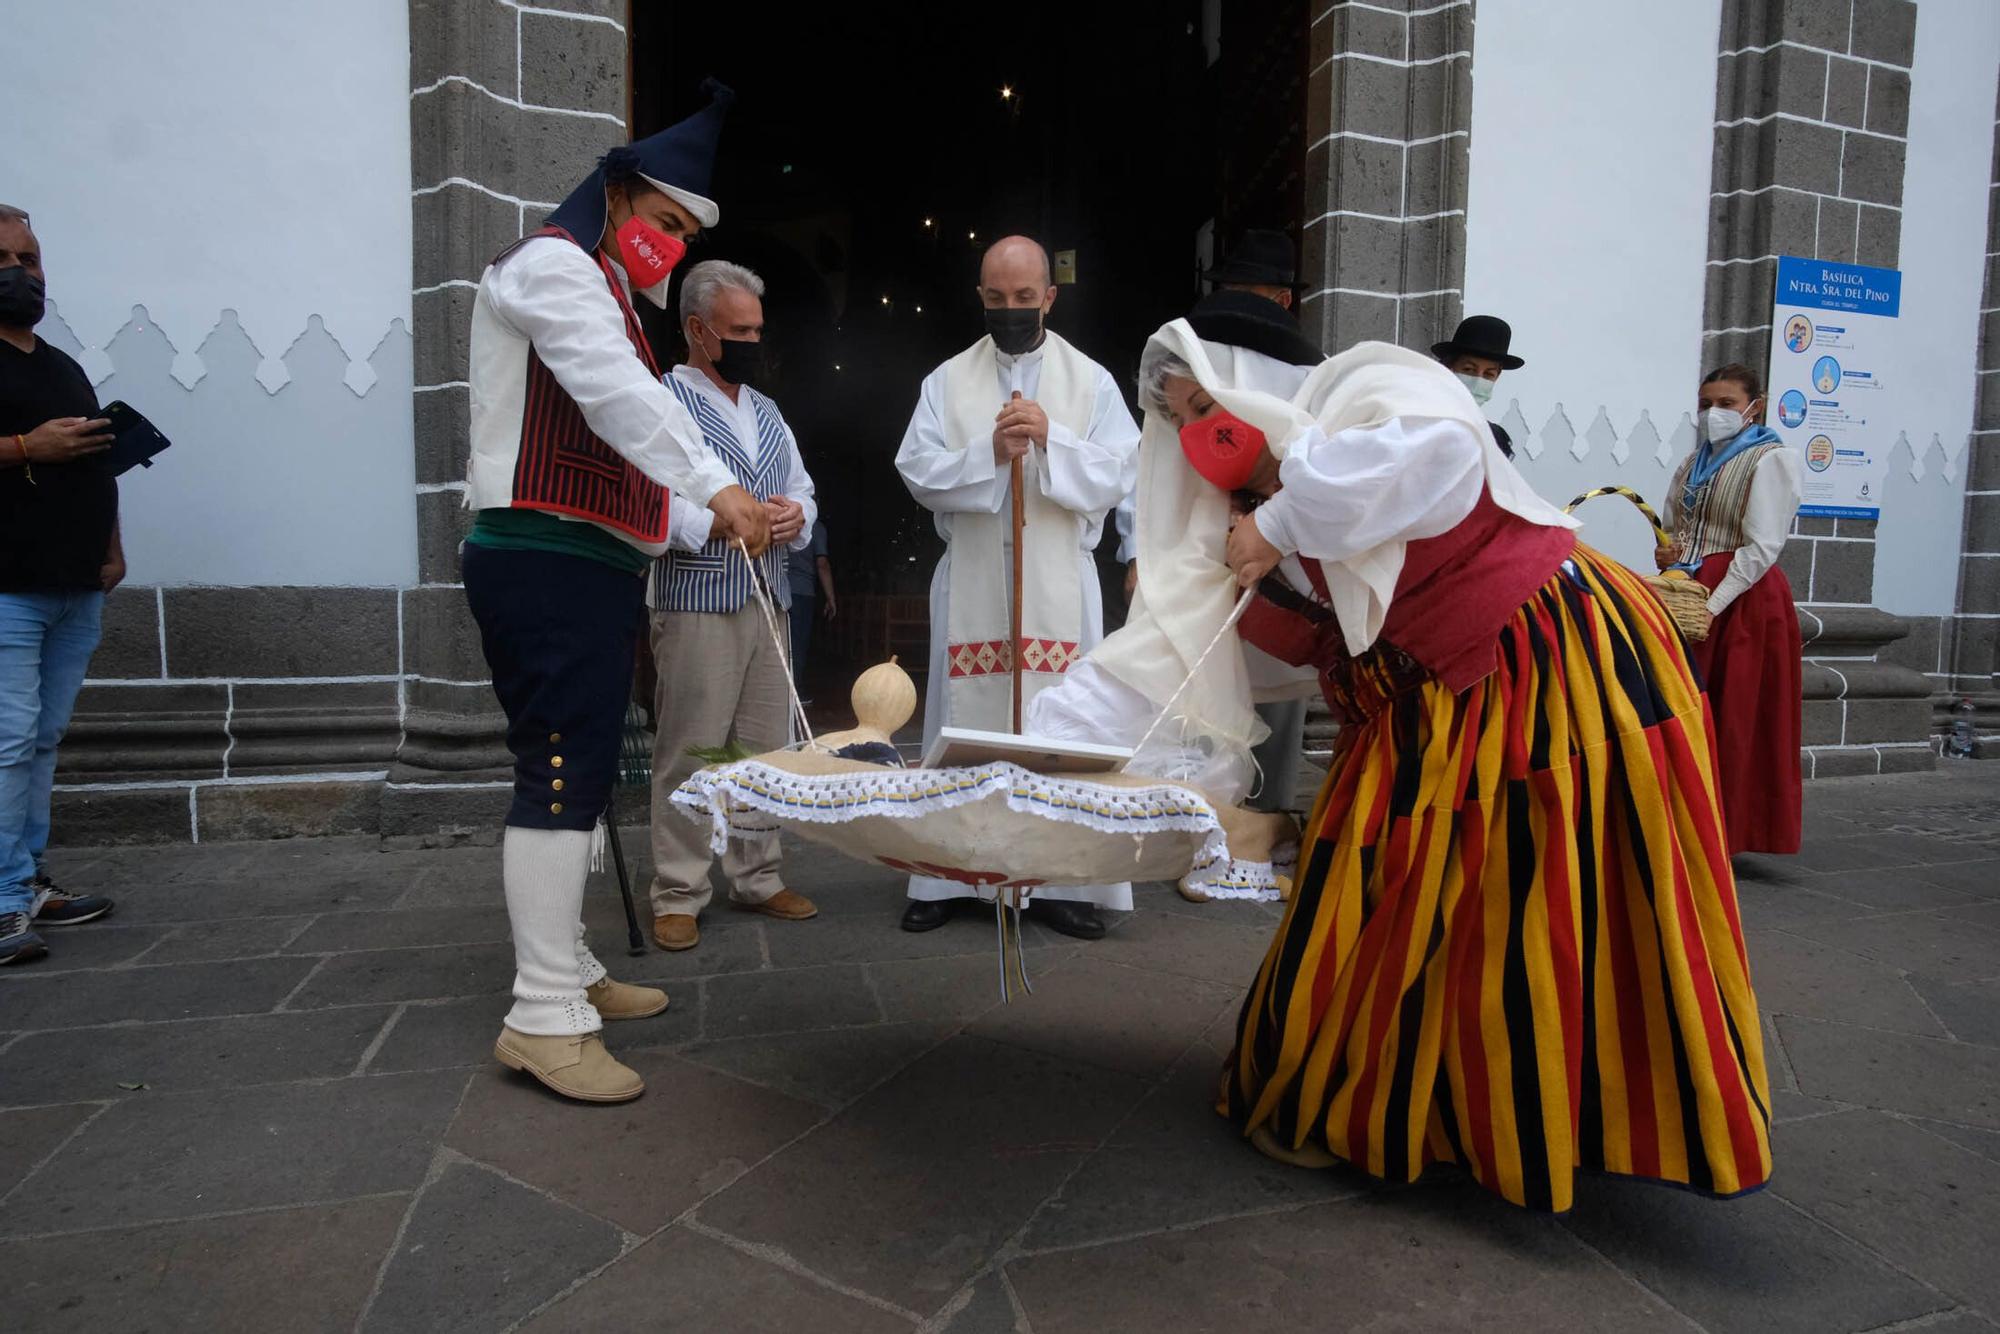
{"x": 1427, "y": 254}
{"x": 455, "y": 233}
{"x": 1987, "y": 415}
{"x": 1357, "y": 174}
{"x": 1979, "y": 585}
{"x": 1846, "y": 92}
{"x": 1428, "y": 319}
{"x": 1739, "y": 295}
{"x": 1844, "y": 572}
{"x": 443, "y": 333}
{"x": 1795, "y": 83}
{"x": 1871, "y": 169}
{"x": 1368, "y": 31}
{"x": 440, "y": 638}
{"x": 1340, "y": 320}
{"x": 1982, "y": 468}
{"x": 107, "y": 819}
{"x": 1734, "y": 226}
{"x": 443, "y": 430}
{"x": 1806, "y": 156}
{"x": 604, "y": 9}
{"x": 1792, "y": 223}
{"x": 572, "y": 63}
{"x": 522, "y": 152}
{"x": 130, "y": 645}
{"x": 1889, "y": 101}
{"x": 1437, "y": 32}
{"x": 314, "y": 728}
{"x": 1812, "y": 525}
{"x": 289, "y": 810}
{"x": 470, "y": 38}
{"x": 1989, "y": 330}
{"x": 1752, "y": 348}
{"x": 1438, "y": 172}
{"x": 1906, "y": 759}
{"x": 1371, "y": 98}
{"x": 1839, "y": 222}
{"x": 450, "y": 697}
{"x": 442, "y": 523}
{"x": 1844, "y": 763}
{"x": 1824, "y": 722}
{"x": 1440, "y": 97}
{"x": 1749, "y": 23}
{"x": 1922, "y": 650}
{"x": 1874, "y": 721}
{"x": 1880, "y": 241}
{"x": 1319, "y": 106}
{"x": 1982, "y": 522}
{"x": 1796, "y": 562}
{"x": 1861, "y": 528}
{"x": 1886, "y": 30}
{"x": 1742, "y": 158}
{"x": 1821, "y": 23}
{"x": 238, "y": 632}
{"x": 1367, "y": 254}
{"x": 1977, "y": 650}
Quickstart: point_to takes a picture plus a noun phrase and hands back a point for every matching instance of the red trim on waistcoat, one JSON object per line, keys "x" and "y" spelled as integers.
{"x": 564, "y": 468}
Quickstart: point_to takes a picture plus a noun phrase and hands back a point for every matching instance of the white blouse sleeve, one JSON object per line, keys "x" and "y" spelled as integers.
{"x": 1409, "y": 478}
{"x": 554, "y": 295}
{"x": 1767, "y": 520}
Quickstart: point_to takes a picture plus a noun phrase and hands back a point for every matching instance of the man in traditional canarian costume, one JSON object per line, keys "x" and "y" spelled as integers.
{"x": 575, "y": 446}
{"x": 1513, "y": 941}
{"x": 1020, "y": 393}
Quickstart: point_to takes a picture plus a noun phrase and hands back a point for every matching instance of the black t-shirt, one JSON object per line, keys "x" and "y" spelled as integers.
{"x": 54, "y": 530}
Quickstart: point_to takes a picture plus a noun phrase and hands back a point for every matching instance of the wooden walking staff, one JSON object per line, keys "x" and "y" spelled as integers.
{"x": 1015, "y": 655}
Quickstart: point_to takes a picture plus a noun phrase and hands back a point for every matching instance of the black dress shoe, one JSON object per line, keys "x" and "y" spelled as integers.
{"x": 928, "y": 914}
{"x": 1067, "y": 917}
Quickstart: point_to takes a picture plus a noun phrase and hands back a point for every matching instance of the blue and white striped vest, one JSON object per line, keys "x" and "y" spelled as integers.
{"x": 714, "y": 579}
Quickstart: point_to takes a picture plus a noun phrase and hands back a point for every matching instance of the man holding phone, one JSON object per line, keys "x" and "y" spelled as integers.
{"x": 59, "y": 556}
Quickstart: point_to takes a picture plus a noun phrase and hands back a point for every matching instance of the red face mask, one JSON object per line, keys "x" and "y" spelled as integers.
{"x": 1223, "y": 448}
{"x": 647, "y": 253}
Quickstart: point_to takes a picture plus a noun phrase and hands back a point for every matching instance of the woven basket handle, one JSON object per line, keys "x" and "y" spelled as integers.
{"x": 1659, "y": 529}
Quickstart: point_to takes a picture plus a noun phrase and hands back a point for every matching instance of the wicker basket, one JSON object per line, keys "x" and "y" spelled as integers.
{"x": 1686, "y": 600}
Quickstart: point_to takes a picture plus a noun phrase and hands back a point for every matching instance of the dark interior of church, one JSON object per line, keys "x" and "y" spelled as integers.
{"x": 873, "y": 153}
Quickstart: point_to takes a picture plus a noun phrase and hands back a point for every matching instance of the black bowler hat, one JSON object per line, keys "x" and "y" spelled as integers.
{"x": 1262, "y": 257}
{"x": 1246, "y": 320}
{"x": 1480, "y": 336}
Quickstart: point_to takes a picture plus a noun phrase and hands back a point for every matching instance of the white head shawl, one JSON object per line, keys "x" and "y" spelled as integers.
{"x": 1186, "y": 591}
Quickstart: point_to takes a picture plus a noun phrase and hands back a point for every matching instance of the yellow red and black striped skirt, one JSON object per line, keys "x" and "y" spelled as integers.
{"x": 1513, "y": 942}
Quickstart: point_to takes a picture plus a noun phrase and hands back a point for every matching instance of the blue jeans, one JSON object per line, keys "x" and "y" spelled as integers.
{"x": 46, "y": 640}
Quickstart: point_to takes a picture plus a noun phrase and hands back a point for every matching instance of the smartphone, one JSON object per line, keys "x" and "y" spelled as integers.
{"x": 121, "y": 416}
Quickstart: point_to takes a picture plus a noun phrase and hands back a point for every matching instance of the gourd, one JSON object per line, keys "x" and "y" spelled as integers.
{"x": 884, "y": 698}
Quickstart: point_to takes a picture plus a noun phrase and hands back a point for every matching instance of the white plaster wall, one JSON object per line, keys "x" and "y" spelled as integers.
{"x": 212, "y": 155}
{"x": 1587, "y": 204}
{"x": 1945, "y": 187}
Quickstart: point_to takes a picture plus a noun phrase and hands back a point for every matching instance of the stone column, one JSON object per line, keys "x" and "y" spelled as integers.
{"x": 509, "y": 108}
{"x": 1811, "y": 127}
{"x": 1973, "y": 640}
{"x": 1388, "y": 121}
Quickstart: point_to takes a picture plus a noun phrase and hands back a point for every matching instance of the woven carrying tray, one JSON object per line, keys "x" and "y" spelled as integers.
{"x": 1684, "y": 598}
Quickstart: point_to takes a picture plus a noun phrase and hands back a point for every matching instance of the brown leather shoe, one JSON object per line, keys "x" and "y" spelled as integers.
{"x": 676, "y": 931}
{"x": 576, "y": 1066}
{"x": 621, "y": 1000}
{"x": 786, "y": 905}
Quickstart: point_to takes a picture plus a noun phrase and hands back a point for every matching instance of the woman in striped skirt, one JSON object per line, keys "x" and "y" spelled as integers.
{"x": 1512, "y": 942}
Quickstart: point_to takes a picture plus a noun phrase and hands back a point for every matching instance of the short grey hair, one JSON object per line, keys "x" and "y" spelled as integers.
{"x": 1155, "y": 367}
{"x": 708, "y": 280}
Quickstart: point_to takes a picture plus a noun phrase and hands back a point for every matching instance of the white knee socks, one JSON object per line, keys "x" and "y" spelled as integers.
{"x": 544, "y": 871}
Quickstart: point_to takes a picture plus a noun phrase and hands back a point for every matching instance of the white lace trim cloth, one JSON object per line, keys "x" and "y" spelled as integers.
{"x": 750, "y": 798}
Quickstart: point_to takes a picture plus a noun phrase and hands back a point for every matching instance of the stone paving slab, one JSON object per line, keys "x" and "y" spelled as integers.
{"x": 846, "y": 1129}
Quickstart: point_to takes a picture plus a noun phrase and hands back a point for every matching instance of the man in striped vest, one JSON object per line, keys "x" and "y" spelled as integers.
{"x": 719, "y": 617}
{"x": 574, "y": 445}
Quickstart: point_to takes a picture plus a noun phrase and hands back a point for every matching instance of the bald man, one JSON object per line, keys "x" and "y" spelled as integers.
{"x": 1021, "y": 392}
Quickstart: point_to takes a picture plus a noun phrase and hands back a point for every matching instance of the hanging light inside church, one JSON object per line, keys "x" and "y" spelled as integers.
{"x": 1006, "y": 92}
{"x": 930, "y": 222}
{"x": 885, "y": 300}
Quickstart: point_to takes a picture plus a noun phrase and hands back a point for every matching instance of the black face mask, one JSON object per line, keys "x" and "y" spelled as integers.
{"x": 1015, "y": 329}
{"x": 742, "y": 361}
{"x": 23, "y": 298}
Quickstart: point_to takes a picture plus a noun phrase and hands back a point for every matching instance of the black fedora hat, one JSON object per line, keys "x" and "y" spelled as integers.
{"x": 1246, "y": 320}
{"x": 1481, "y": 336}
{"x": 1263, "y": 257}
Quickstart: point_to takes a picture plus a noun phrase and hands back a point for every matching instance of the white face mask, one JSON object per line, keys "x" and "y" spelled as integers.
{"x": 1478, "y": 386}
{"x": 1719, "y": 425}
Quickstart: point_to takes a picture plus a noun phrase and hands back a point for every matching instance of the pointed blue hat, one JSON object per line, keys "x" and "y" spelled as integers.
{"x": 679, "y": 161}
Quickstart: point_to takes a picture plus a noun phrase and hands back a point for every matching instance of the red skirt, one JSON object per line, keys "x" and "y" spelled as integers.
{"x": 1751, "y": 662}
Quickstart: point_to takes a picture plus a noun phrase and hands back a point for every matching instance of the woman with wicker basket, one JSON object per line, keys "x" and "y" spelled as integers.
{"x": 1512, "y": 942}
{"x": 1729, "y": 508}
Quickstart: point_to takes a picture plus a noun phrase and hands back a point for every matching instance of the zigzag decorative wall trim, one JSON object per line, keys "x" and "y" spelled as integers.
{"x": 226, "y": 346}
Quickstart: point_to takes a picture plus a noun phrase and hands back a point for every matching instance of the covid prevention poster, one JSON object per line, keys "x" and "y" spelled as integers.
{"x": 1833, "y": 330}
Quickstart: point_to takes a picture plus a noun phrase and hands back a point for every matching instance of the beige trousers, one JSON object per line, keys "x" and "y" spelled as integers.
{"x": 721, "y": 680}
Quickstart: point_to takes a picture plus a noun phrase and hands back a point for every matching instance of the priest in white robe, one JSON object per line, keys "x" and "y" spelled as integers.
{"x": 1020, "y": 392}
